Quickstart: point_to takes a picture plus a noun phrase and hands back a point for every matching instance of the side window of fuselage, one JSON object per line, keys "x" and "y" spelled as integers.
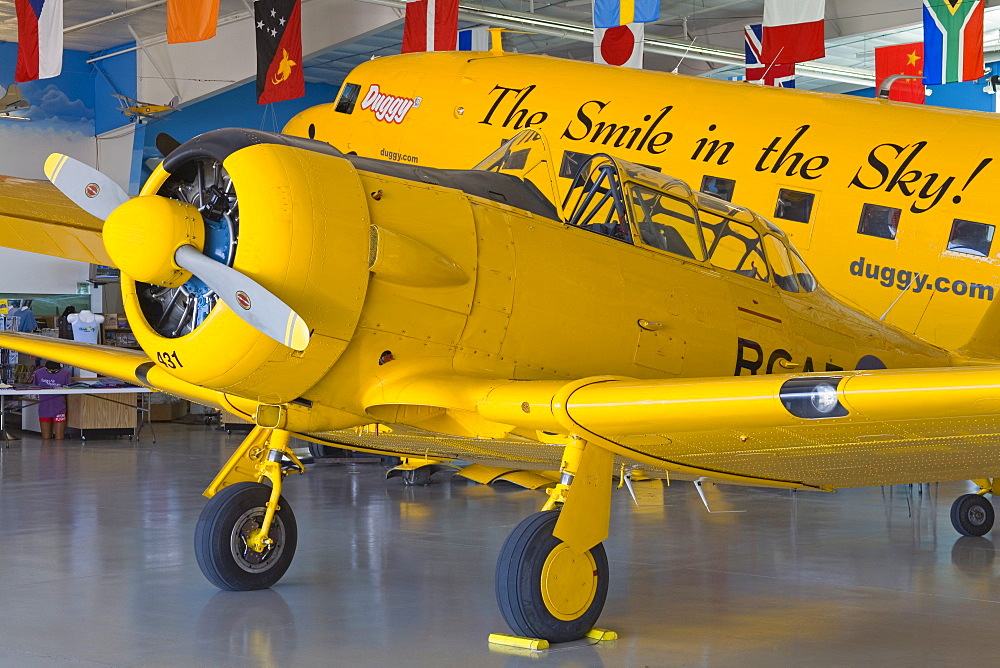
{"x": 348, "y": 98}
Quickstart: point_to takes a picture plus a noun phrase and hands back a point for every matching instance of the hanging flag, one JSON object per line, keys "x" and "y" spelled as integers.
{"x": 279, "y": 50}
{"x": 782, "y": 76}
{"x": 191, "y": 20}
{"x": 793, "y": 31}
{"x": 430, "y": 25}
{"x": 905, "y": 59}
{"x": 614, "y": 13}
{"x": 474, "y": 39}
{"x": 621, "y": 45}
{"x": 39, "y": 39}
{"x": 953, "y": 40}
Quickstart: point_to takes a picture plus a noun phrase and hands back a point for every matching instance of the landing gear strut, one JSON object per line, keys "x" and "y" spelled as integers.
{"x": 246, "y": 535}
{"x": 552, "y": 573}
{"x": 225, "y": 539}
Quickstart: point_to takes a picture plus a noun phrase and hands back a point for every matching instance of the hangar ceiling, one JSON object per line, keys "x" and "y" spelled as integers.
{"x": 853, "y": 29}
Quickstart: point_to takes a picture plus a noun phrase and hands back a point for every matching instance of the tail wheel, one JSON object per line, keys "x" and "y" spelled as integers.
{"x": 224, "y": 528}
{"x": 544, "y": 588}
{"x": 972, "y": 515}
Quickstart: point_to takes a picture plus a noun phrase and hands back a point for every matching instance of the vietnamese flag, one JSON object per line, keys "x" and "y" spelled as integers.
{"x": 191, "y": 20}
{"x": 901, "y": 59}
{"x": 278, "y": 24}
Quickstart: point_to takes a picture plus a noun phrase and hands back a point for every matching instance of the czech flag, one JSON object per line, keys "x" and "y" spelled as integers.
{"x": 39, "y": 39}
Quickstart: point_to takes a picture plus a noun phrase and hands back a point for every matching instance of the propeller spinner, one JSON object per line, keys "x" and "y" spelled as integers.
{"x": 160, "y": 240}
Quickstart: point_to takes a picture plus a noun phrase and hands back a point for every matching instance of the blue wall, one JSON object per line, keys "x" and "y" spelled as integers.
{"x": 65, "y": 100}
{"x": 236, "y": 108}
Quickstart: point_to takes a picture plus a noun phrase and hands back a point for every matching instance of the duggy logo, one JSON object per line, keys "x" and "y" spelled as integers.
{"x": 388, "y": 108}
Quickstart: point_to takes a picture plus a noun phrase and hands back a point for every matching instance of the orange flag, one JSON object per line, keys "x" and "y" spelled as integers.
{"x": 191, "y": 20}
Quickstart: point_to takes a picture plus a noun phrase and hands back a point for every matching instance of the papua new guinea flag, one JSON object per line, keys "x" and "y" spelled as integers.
{"x": 953, "y": 40}
{"x": 39, "y": 39}
{"x": 278, "y": 25}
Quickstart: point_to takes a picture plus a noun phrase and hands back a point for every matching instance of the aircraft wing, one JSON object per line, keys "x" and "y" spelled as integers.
{"x": 132, "y": 366}
{"x": 879, "y": 427}
{"x": 36, "y": 217}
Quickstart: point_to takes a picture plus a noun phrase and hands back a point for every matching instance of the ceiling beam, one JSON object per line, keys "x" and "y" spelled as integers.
{"x": 584, "y": 32}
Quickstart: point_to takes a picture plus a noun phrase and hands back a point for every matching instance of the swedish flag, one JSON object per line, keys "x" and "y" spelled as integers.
{"x": 611, "y": 13}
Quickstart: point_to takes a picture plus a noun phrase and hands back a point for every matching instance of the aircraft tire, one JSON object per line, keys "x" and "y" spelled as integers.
{"x": 219, "y": 538}
{"x": 972, "y": 515}
{"x": 319, "y": 451}
{"x": 534, "y": 602}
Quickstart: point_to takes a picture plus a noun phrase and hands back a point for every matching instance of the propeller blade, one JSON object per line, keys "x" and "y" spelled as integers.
{"x": 247, "y": 298}
{"x": 88, "y": 188}
{"x": 166, "y": 144}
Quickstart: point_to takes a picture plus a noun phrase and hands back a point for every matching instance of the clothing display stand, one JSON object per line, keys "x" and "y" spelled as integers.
{"x": 8, "y": 365}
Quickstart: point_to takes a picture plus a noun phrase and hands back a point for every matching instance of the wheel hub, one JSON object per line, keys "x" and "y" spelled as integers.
{"x": 244, "y": 541}
{"x": 569, "y": 582}
{"x": 976, "y": 516}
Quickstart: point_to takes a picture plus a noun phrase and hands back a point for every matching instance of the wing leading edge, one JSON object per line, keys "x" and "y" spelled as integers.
{"x": 813, "y": 430}
{"x": 132, "y": 366}
{"x": 36, "y": 217}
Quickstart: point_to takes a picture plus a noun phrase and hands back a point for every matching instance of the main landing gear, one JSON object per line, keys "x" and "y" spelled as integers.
{"x": 246, "y": 535}
{"x": 545, "y": 588}
{"x": 972, "y": 514}
{"x": 552, "y": 573}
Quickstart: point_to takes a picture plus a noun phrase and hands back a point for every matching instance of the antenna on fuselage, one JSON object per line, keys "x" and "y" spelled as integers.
{"x": 681, "y": 61}
{"x": 896, "y": 300}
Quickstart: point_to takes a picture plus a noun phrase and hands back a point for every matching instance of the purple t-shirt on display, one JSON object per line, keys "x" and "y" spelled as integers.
{"x": 51, "y": 405}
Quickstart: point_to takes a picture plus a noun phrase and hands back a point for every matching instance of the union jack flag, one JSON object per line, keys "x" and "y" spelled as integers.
{"x": 757, "y": 70}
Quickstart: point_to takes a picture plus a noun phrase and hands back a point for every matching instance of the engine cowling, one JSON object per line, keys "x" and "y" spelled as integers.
{"x": 289, "y": 213}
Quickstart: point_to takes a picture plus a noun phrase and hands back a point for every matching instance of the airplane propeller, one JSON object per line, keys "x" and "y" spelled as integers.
{"x": 101, "y": 197}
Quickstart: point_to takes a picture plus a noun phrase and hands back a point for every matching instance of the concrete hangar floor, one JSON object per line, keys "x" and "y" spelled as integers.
{"x": 97, "y": 568}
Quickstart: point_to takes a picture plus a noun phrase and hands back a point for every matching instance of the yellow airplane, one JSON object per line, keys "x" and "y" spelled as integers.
{"x": 890, "y": 203}
{"x": 592, "y": 326}
{"x": 143, "y": 112}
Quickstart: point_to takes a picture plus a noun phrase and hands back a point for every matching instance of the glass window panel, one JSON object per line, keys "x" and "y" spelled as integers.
{"x": 805, "y": 278}
{"x": 879, "y": 221}
{"x": 794, "y": 205}
{"x": 970, "y": 238}
{"x": 739, "y": 250}
{"x": 718, "y": 187}
{"x": 348, "y": 98}
{"x": 667, "y": 223}
{"x": 781, "y": 264}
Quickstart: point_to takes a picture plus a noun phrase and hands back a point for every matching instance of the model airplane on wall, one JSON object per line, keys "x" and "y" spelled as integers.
{"x": 143, "y": 112}
{"x": 12, "y": 100}
{"x": 892, "y": 204}
{"x": 502, "y": 314}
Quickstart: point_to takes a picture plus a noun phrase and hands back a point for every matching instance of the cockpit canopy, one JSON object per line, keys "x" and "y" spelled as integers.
{"x": 638, "y": 205}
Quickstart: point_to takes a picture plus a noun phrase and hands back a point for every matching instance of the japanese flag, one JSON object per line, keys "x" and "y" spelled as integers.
{"x": 621, "y": 45}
